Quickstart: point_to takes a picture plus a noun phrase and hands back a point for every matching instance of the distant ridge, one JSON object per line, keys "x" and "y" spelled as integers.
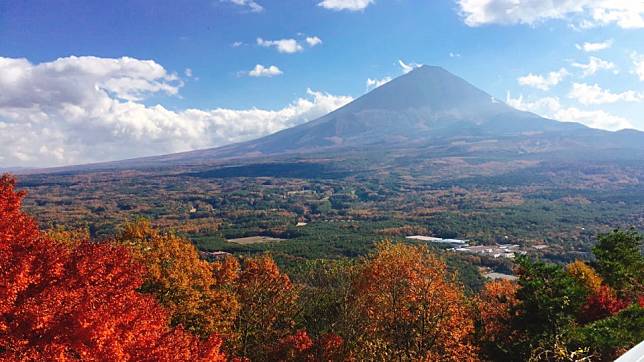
{"x": 426, "y": 105}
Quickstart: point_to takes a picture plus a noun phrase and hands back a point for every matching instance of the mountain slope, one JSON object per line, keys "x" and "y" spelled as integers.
{"x": 428, "y": 106}
{"x": 424, "y": 104}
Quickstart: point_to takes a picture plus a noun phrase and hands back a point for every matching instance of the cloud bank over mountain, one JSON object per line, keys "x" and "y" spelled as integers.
{"x": 86, "y": 109}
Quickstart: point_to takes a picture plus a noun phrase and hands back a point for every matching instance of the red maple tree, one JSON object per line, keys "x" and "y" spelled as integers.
{"x": 63, "y": 301}
{"x": 601, "y": 304}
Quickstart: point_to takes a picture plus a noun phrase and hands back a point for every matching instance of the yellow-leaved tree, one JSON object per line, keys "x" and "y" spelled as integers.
{"x": 181, "y": 281}
{"x": 408, "y": 307}
{"x": 585, "y": 275}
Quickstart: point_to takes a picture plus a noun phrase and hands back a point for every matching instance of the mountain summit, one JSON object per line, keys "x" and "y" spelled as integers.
{"x": 427, "y": 103}
{"x": 430, "y": 89}
{"x": 428, "y": 106}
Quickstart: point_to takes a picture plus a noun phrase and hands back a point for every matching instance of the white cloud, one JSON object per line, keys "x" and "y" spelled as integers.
{"x": 313, "y": 41}
{"x": 627, "y": 14}
{"x": 594, "y": 65}
{"x": 638, "y": 62}
{"x": 594, "y": 47}
{"x": 594, "y": 94}
{"x": 236, "y": 44}
{"x": 350, "y": 5}
{"x": 287, "y": 46}
{"x": 123, "y": 78}
{"x": 542, "y": 106}
{"x": 541, "y": 82}
{"x": 406, "y": 68}
{"x": 585, "y": 13}
{"x": 249, "y": 4}
{"x": 67, "y": 111}
{"x": 375, "y": 83}
{"x": 188, "y": 72}
{"x": 595, "y": 119}
{"x": 550, "y": 107}
{"x": 262, "y": 71}
{"x": 454, "y": 55}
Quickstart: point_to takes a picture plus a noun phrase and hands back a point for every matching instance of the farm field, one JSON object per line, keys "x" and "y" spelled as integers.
{"x": 249, "y": 240}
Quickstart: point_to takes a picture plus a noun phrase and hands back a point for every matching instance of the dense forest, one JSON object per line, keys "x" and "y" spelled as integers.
{"x": 147, "y": 294}
{"x": 349, "y": 204}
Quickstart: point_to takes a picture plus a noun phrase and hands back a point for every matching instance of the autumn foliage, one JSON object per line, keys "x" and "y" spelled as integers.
{"x": 496, "y": 305}
{"x": 59, "y": 303}
{"x": 180, "y": 280}
{"x": 148, "y": 295}
{"x": 585, "y": 274}
{"x": 409, "y": 308}
{"x": 268, "y": 302}
{"x": 601, "y": 303}
{"x": 251, "y": 305}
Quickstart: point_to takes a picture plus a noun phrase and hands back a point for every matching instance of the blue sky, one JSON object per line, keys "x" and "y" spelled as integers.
{"x": 90, "y": 81}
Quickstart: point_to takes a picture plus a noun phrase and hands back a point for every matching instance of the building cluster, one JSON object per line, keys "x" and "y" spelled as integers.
{"x": 431, "y": 239}
{"x": 495, "y": 251}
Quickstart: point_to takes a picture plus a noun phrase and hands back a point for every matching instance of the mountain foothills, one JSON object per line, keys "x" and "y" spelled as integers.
{"x": 526, "y": 241}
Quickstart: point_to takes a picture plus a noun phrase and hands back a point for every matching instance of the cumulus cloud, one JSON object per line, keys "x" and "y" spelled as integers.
{"x": 313, "y": 41}
{"x": 350, "y": 5}
{"x": 595, "y": 47}
{"x": 594, "y": 94}
{"x": 543, "y": 82}
{"x": 287, "y": 46}
{"x": 594, "y": 65}
{"x": 406, "y": 68}
{"x": 551, "y": 107}
{"x": 638, "y": 63}
{"x": 594, "y": 119}
{"x": 583, "y": 13}
{"x": 86, "y": 109}
{"x": 249, "y": 4}
{"x": 123, "y": 78}
{"x": 262, "y": 71}
{"x": 375, "y": 83}
{"x": 542, "y": 106}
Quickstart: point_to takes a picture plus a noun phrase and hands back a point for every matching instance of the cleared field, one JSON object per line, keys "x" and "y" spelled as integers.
{"x": 255, "y": 240}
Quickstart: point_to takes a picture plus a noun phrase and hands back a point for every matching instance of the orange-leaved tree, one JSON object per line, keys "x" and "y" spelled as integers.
{"x": 180, "y": 280}
{"x": 497, "y": 307}
{"x": 62, "y": 301}
{"x": 409, "y": 307}
{"x": 268, "y": 302}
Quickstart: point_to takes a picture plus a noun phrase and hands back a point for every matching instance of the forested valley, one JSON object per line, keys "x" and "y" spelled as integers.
{"x": 145, "y": 293}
